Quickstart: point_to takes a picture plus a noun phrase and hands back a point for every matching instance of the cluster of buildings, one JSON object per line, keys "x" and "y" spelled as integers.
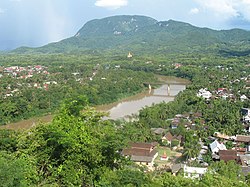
{"x": 144, "y": 154}
{"x": 20, "y": 72}
{"x": 223, "y": 93}
{"x": 187, "y": 120}
{"x": 239, "y": 152}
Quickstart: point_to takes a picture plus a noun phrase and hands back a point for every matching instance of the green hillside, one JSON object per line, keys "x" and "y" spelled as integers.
{"x": 143, "y": 34}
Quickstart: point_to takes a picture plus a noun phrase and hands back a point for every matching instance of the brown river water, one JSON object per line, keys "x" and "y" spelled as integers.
{"x": 124, "y": 108}
{"x": 169, "y": 88}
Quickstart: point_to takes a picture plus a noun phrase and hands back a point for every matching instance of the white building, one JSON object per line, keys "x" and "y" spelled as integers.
{"x": 194, "y": 172}
{"x": 216, "y": 146}
{"x": 246, "y": 114}
{"x": 204, "y": 93}
{"x": 243, "y": 98}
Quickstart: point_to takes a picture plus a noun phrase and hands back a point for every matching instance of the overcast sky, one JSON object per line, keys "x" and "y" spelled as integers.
{"x": 38, "y": 22}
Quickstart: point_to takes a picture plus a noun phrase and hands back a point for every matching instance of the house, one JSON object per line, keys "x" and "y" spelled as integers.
{"x": 221, "y": 90}
{"x": 246, "y": 114}
{"x": 204, "y": 93}
{"x": 169, "y": 138}
{"x": 203, "y": 150}
{"x": 240, "y": 150}
{"x": 222, "y": 136}
{"x": 227, "y": 155}
{"x": 176, "y": 168}
{"x": 142, "y": 153}
{"x": 158, "y": 131}
{"x": 216, "y": 146}
{"x": 243, "y": 98}
{"x": 243, "y": 139}
{"x": 245, "y": 111}
{"x": 245, "y": 160}
{"x": 194, "y": 172}
{"x": 177, "y": 65}
{"x": 175, "y": 123}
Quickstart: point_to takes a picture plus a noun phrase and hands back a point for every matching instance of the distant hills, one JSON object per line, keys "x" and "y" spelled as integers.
{"x": 143, "y": 34}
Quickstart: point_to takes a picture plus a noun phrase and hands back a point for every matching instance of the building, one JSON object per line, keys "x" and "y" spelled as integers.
{"x": 243, "y": 98}
{"x": 204, "y": 93}
{"x": 228, "y": 155}
{"x": 130, "y": 55}
{"x": 246, "y": 114}
{"x": 142, "y": 153}
{"x": 158, "y": 131}
{"x": 216, "y": 146}
{"x": 194, "y": 172}
{"x": 169, "y": 138}
{"x": 223, "y": 136}
{"x": 245, "y": 160}
{"x": 176, "y": 168}
{"x": 243, "y": 139}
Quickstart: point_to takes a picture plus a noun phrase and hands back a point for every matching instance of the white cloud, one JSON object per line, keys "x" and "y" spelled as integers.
{"x": 227, "y": 9}
{"x": 221, "y": 8}
{"x": 194, "y": 11}
{"x": 246, "y": 1}
{"x": 111, "y": 4}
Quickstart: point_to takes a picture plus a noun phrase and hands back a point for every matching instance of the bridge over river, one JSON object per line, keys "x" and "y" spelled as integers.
{"x": 170, "y": 85}
{"x": 163, "y": 91}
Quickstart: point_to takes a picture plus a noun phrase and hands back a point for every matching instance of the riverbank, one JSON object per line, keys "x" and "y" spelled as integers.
{"x": 132, "y": 103}
{"x": 26, "y": 124}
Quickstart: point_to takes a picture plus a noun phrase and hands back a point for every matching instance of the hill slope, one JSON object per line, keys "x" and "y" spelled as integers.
{"x": 145, "y": 34}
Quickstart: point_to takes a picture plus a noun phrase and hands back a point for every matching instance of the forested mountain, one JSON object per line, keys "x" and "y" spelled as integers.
{"x": 143, "y": 34}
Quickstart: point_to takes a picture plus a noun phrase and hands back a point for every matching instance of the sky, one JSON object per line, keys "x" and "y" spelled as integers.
{"x": 35, "y": 23}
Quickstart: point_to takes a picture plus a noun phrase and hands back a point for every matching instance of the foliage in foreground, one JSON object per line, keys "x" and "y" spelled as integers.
{"x": 79, "y": 149}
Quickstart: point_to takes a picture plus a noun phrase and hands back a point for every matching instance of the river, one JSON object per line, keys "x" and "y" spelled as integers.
{"x": 169, "y": 88}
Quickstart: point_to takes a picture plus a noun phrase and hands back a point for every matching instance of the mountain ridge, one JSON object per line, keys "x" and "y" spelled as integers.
{"x": 142, "y": 33}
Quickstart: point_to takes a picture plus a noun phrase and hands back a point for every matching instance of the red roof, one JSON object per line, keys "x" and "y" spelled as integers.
{"x": 142, "y": 145}
{"x": 168, "y": 136}
{"x": 138, "y": 152}
{"x": 228, "y": 155}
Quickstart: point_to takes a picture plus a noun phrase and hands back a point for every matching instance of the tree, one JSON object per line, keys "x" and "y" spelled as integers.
{"x": 229, "y": 170}
{"x": 8, "y": 140}
{"x": 75, "y": 148}
{"x": 127, "y": 177}
{"x": 16, "y": 172}
{"x": 191, "y": 145}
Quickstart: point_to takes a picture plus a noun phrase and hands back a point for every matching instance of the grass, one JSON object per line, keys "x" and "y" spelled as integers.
{"x": 172, "y": 155}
